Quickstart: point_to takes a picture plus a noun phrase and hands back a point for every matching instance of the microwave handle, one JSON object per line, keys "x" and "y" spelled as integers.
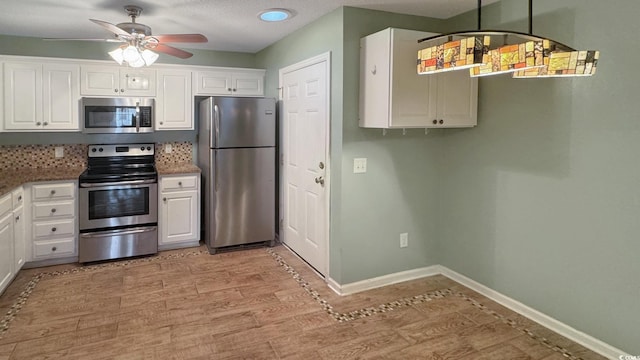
{"x": 137, "y": 116}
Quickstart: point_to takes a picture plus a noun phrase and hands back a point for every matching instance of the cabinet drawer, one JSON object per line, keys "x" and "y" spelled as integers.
{"x": 57, "y": 248}
{"x": 179, "y": 183}
{"x": 54, "y": 228}
{"x": 5, "y": 205}
{"x": 53, "y": 210}
{"x": 53, "y": 191}
{"x": 18, "y": 197}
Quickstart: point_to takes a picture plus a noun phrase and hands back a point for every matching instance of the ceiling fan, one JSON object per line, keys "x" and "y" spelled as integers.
{"x": 138, "y": 41}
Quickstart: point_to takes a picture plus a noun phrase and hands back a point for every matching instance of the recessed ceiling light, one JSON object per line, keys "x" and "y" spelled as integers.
{"x": 274, "y": 15}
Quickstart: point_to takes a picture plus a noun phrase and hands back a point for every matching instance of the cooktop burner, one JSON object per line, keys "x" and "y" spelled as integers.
{"x": 122, "y": 162}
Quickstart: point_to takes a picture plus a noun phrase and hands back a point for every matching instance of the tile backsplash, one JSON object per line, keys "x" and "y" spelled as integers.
{"x": 181, "y": 153}
{"x": 18, "y": 157}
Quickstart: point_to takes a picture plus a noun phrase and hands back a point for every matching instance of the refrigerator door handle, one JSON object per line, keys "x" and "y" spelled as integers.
{"x": 216, "y": 120}
{"x": 215, "y": 170}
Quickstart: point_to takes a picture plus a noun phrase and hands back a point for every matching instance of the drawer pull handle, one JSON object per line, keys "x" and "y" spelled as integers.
{"x": 53, "y": 229}
{"x": 53, "y": 210}
{"x": 54, "y": 248}
{"x": 53, "y": 192}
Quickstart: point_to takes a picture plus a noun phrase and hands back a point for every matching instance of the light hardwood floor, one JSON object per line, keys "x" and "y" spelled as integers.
{"x": 254, "y": 304}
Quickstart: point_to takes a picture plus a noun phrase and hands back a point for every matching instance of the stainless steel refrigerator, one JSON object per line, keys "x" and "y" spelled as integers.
{"x": 237, "y": 155}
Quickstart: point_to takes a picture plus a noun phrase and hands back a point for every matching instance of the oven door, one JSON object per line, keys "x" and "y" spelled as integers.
{"x": 108, "y": 205}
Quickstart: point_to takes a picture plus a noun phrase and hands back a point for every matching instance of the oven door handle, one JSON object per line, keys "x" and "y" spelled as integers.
{"x": 119, "y": 232}
{"x": 134, "y": 182}
{"x": 138, "y": 116}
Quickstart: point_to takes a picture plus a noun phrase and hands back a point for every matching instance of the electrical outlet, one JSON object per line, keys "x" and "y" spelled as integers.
{"x": 359, "y": 165}
{"x": 168, "y": 148}
{"x": 59, "y": 152}
{"x": 404, "y": 240}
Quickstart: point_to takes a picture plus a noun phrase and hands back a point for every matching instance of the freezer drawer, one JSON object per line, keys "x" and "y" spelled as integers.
{"x": 241, "y": 192}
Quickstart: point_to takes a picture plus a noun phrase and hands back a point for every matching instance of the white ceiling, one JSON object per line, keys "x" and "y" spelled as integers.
{"x": 230, "y": 25}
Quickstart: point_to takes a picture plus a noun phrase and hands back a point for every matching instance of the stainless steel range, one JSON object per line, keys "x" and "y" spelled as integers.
{"x": 118, "y": 200}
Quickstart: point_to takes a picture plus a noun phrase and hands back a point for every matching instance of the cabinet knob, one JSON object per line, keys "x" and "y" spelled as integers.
{"x": 121, "y": 90}
{"x": 45, "y": 123}
{"x": 54, "y": 248}
{"x": 20, "y": 198}
{"x": 53, "y": 229}
{"x": 53, "y": 192}
{"x": 235, "y": 89}
{"x": 179, "y": 183}
{"x": 38, "y": 123}
{"x": 164, "y": 199}
{"x": 435, "y": 121}
{"x": 18, "y": 218}
{"x": 161, "y": 122}
{"x": 115, "y": 90}
{"x": 53, "y": 210}
{"x": 441, "y": 121}
{"x": 229, "y": 89}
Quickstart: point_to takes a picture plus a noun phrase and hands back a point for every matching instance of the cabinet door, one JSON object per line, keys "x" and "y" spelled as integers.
{"x": 61, "y": 94}
{"x": 179, "y": 216}
{"x": 19, "y": 238}
{"x": 6, "y": 251}
{"x": 22, "y": 96}
{"x": 174, "y": 101}
{"x": 138, "y": 82}
{"x": 457, "y": 99}
{"x": 212, "y": 83}
{"x": 247, "y": 84}
{"x": 99, "y": 80}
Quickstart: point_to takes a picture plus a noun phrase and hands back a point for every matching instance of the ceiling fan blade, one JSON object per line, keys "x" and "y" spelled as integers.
{"x": 109, "y": 26}
{"x": 182, "y": 38}
{"x": 70, "y": 39}
{"x": 170, "y": 50}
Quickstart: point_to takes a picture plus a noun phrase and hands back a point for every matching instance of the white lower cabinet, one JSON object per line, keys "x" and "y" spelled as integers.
{"x": 6, "y": 247}
{"x": 12, "y": 254}
{"x": 179, "y": 211}
{"x": 53, "y": 220}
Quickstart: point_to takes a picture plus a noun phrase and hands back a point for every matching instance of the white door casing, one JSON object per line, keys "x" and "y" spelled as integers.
{"x": 305, "y": 114}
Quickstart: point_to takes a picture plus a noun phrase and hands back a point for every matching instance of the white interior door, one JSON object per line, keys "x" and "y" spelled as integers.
{"x": 305, "y": 175}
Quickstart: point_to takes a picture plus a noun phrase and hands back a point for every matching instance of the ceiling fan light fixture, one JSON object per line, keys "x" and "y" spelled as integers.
{"x": 117, "y": 55}
{"x": 149, "y": 57}
{"x": 275, "y": 15}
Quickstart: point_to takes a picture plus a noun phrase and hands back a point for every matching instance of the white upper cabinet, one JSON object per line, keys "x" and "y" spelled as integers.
{"x": 229, "y": 82}
{"x": 41, "y": 96}
{"x": 99, "y": 80}
{"x": 174, "y": 103}
{"x": 393, "y": 95}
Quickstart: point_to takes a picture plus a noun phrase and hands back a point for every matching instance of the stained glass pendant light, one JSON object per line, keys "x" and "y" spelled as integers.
{"x": 486, "y": 53}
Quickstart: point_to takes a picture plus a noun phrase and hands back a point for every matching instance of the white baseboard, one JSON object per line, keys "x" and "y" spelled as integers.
{"x": 565, "y": 330}
{"x": 380, "y": 281}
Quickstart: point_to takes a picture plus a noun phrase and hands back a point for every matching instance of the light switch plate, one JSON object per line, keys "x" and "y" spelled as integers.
{"x": 359, "y": 165}
{"x": 168, "y": 148}
{"x": 59, "y": 152}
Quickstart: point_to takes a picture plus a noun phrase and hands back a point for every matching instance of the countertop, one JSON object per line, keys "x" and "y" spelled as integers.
{"x": 9, "y": 180}
{"x": 182, "y": 168}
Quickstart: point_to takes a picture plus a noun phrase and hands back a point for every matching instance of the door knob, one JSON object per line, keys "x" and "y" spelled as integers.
{"x": 320, "y": 180}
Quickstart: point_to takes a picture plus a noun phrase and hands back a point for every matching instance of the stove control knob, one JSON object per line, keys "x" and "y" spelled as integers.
{"x": 142, "y": 148}
{"x": 93, "y": 150}
{"x": 149, "y": 148}
{"x": 101, "y": 149}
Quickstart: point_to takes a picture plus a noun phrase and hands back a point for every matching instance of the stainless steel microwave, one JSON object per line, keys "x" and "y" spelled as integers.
{"x": 117, "y": 115}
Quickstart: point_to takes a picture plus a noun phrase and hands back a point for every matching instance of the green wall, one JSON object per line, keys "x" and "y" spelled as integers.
{"x": 542, "y": 200}
{"x": 368, "y": 211}
{"x": 28, "y": 46}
